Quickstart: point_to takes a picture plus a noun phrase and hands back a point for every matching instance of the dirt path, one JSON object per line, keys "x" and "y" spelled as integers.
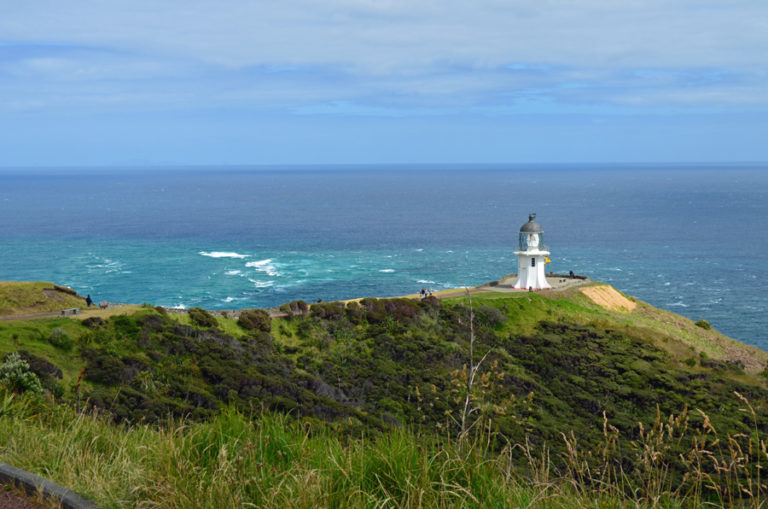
{"x": 83, "y": 313}
{"x": 609, "y": 298}
{"x": 27, "y": 317}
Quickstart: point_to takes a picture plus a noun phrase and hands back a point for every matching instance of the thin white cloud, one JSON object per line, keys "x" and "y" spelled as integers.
{"x": 400, "y": 36}
{"x": 385, "y": 57}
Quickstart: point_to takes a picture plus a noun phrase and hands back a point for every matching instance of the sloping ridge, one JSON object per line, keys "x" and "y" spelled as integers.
{"x": 684, "y": 331}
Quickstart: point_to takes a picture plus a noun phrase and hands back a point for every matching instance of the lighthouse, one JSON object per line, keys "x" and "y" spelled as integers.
{"x": 531, "y": 257}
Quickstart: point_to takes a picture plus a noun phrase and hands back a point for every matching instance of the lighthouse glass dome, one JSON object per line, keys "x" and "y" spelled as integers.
{"x": 531, "y": 236}
{"x": 532, "y": 242}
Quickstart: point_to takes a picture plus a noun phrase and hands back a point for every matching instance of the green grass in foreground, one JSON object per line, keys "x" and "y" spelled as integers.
{"x": 273, "y": 461}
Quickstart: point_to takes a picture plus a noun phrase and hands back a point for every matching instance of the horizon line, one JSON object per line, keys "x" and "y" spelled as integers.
{"x": 348, "y": 165}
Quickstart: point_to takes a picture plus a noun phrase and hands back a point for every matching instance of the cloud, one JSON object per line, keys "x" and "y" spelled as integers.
{"x": 384, "y": 58}
{"x": 404, "y": 36}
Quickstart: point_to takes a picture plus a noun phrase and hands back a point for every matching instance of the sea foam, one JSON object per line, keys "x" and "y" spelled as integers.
{"x": 223, "y": 254}
{"x": 264, "y": 266}
{"x": 259, "y": 263}
{"x": 261, "y": 284}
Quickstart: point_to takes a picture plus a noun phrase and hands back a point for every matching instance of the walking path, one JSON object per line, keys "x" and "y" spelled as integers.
{"x": 503, "y": 285}
{"x": 10, "y": 318}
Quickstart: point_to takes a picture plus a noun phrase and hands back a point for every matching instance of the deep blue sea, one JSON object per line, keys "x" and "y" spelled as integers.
{"x": 692, "y": 239}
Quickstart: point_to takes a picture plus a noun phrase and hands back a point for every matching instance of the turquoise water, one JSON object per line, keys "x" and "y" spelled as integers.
{"x": 685, "y": 238}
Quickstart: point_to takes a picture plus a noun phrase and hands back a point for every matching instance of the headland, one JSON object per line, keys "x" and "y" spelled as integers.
{"x": 578, "y": 360}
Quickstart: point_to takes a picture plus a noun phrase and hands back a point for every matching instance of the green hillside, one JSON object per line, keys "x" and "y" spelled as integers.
{"x": 18, "y": 298}
{"x": 563, "y": 373}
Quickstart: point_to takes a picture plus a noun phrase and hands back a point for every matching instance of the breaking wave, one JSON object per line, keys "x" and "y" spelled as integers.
{"x": 264, "y": 266}
{"x": 259, "y": 263}
{"x": 223, "y": 254}
{"x": 261, "y": 284}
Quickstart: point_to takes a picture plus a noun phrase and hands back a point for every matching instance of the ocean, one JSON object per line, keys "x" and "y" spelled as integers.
{"x": 692, "y": 239}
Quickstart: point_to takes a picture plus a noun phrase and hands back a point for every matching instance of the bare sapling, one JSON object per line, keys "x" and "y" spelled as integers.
{"x": 468, "y": 409}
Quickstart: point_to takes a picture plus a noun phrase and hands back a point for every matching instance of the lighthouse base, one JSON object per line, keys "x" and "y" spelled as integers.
{"x": 530, "y": 272}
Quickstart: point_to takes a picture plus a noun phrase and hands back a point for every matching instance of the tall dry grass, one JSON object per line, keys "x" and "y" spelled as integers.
{"x": 274, "y": 461}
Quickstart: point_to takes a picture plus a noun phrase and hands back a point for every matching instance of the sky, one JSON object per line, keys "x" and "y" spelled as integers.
{"x": 172, "y": 82}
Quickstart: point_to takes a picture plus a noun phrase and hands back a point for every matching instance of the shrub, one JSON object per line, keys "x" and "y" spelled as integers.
{"x": 15, "y": 374}
{"x": 151, "y": 322}
{"x": 60, "y": 339}
{"x": 431, "y": 302}
{"x": 46, "y": 371}
{"x": 375, "y": 312}
{"x": 304, "y": 330}
{"x": 722, "y": 365}
{"x": 703, "y": 324}
{"x": 93, "y": 322}
{"x": 298, "y": 307}
{"x": 202, "y": 318}
{"x": 255, "y": 319}
{"x": 106, "y": 369}
{"x": 354, "y": 311}
{"x": 328, "y": 310}
{"x": 401, "y": 310}
{"x": 125, "y": 325}
{"x": 490, "y": 316}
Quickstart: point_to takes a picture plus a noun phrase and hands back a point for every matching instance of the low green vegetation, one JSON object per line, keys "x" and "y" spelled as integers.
{"x": 202, "y": 318}
{"x": 272, "y": 460}
{"x": 359, "y": 405}
{"x": 16, "y": 376}
{"x": 255, "y": 320}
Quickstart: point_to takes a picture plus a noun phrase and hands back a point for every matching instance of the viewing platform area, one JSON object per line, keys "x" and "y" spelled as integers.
{"x": 557, "y": 281}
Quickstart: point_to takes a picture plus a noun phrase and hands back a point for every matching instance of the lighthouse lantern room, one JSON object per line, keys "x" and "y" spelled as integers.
{"x": 531, "y": 257}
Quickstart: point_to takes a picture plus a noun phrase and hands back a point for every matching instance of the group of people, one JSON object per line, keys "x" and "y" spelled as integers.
{"x": 425, "y": 293}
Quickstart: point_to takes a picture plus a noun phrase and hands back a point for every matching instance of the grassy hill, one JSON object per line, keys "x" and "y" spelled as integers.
{"x": 576, "y": 390}
{"x": 17, "y": 298}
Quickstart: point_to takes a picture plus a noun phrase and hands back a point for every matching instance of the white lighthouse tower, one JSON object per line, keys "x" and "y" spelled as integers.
{"x": 531, "y": 257}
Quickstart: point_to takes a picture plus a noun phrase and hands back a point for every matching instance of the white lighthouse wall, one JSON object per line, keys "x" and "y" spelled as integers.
{"x": 531, "y": 277}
